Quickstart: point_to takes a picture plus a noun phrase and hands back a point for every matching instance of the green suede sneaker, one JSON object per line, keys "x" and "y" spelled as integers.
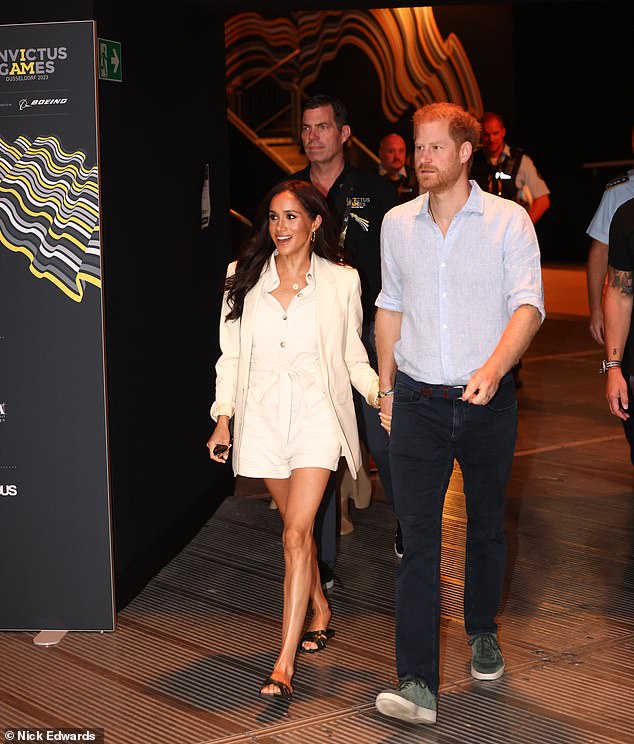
{"x": 412, "y": 701}
{"x": 486, "y": 660}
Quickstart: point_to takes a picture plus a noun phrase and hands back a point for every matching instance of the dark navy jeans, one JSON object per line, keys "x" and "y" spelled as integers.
{"x": 427, "y": 434}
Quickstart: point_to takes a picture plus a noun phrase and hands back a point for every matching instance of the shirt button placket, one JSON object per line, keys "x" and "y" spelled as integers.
{"x": 444, "y": 319}
{"x": 284, "y": 331}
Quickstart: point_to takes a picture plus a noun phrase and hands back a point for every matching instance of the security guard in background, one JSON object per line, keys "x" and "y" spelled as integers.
{"x": 508, "y": 171}
{"x": 511, "y": 174}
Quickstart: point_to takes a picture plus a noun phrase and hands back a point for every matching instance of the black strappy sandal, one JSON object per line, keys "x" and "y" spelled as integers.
{"x": 284, "y": 693}
{"x": 319, "y": 637}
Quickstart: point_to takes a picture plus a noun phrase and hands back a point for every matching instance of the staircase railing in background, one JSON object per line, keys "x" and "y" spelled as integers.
{"x": 608, "y": 164}
{"x": 267, "y": 110}
{"x": 240, "y": 227}
{"x": 240, "y": 218}
{"x": 372, "y": 156}
{"x": 269, "y": 97}
{"x": 253, "y": 136}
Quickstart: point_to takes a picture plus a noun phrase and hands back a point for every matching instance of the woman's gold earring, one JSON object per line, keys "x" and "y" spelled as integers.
{"x": 313, "y": 236}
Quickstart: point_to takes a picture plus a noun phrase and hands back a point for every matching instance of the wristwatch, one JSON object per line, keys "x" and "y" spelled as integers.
{"x": 382, "y": 394}
{"x": 606, "y": 365}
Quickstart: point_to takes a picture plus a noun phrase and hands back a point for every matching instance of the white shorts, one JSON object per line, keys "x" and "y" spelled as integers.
{"x": 268, "y": 450}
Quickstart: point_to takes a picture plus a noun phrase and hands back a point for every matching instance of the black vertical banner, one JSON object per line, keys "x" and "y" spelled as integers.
{"x": 55, "y": 540}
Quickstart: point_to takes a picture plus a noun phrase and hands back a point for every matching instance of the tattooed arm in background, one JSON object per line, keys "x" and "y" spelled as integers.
{"x": 617, "y": 315}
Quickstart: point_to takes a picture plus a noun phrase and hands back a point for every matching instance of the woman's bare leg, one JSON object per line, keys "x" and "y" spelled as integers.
{"x": 298, "y": 499}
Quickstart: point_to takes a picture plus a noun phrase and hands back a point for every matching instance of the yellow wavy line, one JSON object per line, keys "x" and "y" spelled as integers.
{"x": 52, "y": 196}
{"x": 38, "y": 146}
{"x": 90, "y": 184}
{"x": 81, "y": 276}
{"x": 47, "y": 218}
{"x": 77, "y": 170}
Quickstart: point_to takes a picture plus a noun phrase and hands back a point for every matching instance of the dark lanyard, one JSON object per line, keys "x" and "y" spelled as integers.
{"x": 346, "y": 215}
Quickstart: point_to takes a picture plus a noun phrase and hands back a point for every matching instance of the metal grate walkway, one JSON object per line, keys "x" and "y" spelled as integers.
{"x": 186, "y": 661}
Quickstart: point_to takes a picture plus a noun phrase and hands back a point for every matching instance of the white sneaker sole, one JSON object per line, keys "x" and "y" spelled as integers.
{"x": 395, "y": 706}
{"x": 492, "y": 675}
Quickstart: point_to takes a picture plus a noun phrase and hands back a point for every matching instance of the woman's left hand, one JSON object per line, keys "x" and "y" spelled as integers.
{"x": 220, "y": 441}
{"x": 386, "y": 421}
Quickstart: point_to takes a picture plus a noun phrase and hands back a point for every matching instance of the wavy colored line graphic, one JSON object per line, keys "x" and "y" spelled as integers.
{"x": 413, "y": 63}
{"x": 49, "y": 211}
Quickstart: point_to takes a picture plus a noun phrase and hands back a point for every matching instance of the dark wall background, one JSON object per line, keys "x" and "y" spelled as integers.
{"x": 573, "y": 105}
{"x": 163, "y": 278}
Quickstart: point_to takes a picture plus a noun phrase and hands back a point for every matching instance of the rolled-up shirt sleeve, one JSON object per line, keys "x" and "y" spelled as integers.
{"x": 522, "y": 266}
{"x": 391, "y": 294}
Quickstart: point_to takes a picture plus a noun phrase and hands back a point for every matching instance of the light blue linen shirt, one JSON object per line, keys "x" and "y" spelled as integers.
{"x": 457, "y": 293}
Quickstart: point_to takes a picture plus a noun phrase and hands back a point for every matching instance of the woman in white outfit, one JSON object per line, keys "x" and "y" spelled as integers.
{"x": 291, "y": 348}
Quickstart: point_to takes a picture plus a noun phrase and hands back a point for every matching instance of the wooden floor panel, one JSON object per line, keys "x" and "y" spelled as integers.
{"x": 189, "y": 653}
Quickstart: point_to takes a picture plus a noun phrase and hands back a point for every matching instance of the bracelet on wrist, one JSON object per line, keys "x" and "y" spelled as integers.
{"x": 383, "y": 393}
{"x": 606, "y": 365}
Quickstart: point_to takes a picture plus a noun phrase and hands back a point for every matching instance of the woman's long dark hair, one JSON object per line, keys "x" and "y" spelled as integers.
{"x": 256, "y": 251}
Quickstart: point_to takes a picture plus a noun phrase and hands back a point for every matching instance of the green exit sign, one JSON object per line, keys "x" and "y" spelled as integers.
{"x": 109, "y": 59}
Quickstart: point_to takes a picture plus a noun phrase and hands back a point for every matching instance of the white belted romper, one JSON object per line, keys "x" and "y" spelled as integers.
{"x": 288, "y": 422}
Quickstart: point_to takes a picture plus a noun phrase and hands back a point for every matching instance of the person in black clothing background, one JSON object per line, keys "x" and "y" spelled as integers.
{"x": 358, "y": 200}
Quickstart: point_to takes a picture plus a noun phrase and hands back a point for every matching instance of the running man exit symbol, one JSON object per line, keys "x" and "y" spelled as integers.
{"x": 110, "y": 60}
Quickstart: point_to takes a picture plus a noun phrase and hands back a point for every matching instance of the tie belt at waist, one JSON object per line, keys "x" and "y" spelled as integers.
{"x": 292, "y": 381}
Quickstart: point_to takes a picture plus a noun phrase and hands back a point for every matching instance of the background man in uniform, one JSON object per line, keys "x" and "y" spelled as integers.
{"x": 457, "y": 308}
{"x": 358, "y": 200}
{"x": 618, "y": 318}
{"x": 393, "y": 167}
{"x": 508, "y": 171}
{"x": 617, "y": 191}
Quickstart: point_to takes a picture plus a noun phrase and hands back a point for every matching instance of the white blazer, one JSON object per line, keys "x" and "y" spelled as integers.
{"x": 343, "y": 357}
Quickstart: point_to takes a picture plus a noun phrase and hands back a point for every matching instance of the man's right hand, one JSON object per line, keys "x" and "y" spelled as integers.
{"x": 616, "y": 393}
{"x": 596, "y": 326}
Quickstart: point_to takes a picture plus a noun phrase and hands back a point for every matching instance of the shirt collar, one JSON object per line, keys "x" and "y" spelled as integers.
{"x": 474, "y": 203}
{"x": 310, "y": 274}
{"x": 271, "y": 279}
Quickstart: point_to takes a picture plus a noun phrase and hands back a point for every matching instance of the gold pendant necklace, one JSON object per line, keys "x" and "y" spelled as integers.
{"x": 295, "y": 286}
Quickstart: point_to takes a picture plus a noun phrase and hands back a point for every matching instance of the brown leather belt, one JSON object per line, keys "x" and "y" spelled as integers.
{"x": 448, "y": 392}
